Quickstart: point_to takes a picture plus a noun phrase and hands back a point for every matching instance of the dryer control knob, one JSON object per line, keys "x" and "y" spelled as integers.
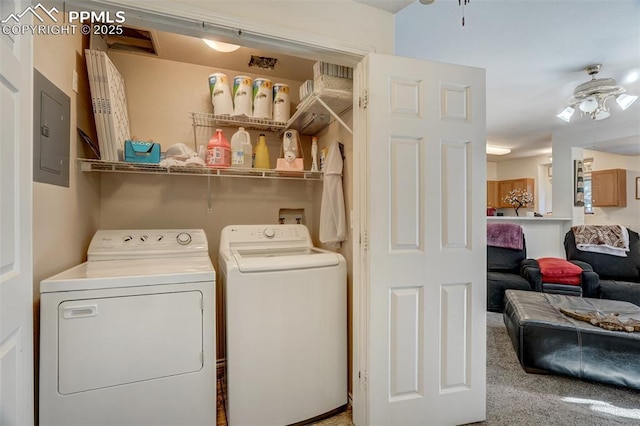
{"x": 269, "y": 232}
{"x": 183, "y": 238}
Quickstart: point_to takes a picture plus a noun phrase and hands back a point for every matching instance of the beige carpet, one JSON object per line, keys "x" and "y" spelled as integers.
{"x": 515, "y": 397}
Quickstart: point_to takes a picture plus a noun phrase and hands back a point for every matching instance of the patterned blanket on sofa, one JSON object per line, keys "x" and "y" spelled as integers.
{"x": 607, "y": 239}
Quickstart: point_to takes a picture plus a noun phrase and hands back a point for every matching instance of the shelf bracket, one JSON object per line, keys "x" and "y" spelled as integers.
{"x": 195, "y": 135}
{"x": 334, "y": 115}
{"x": 209, "y": 202}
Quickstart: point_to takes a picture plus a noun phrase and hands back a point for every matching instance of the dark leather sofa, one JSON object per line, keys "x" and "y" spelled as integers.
{"x": 619, "y": 276}
{"x": 505, "y": 271}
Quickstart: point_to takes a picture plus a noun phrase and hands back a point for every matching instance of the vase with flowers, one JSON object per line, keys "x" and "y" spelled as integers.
{"x": 519, "y": 198}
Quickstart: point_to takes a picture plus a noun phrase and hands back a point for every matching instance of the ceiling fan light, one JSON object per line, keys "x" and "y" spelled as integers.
{"x": 591, "y": 97}
{"x": 590, "y": 104}
{"x": 219, "y": 46}
{"x": 497, "y": 150}
{"x": 566, "y": 114}
{"x": 625, "y": 100}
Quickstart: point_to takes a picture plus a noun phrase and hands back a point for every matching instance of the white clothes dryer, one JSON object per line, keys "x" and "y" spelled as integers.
{"x": 286, "y": 325}
{"x": 128, "y": 337}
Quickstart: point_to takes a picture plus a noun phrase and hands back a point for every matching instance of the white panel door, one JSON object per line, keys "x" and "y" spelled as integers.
{"x": 16, "y": 276}
{"x": 426, "y": 225}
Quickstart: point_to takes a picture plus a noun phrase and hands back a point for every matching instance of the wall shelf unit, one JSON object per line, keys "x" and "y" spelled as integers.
{"x": 88, "y": 165}
{"x": 312, "y": 115}
{"x": 315, "y": 111}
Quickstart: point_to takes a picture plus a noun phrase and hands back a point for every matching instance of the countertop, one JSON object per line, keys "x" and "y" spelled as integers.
{"x": 539, "y": 219}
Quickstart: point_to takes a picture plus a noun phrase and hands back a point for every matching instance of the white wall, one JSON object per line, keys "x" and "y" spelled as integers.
{"x": 628, "y": 216}
{"x": 64, "y": 219}
{"x": 162, "y": 93}
{"x": 492, "y": 170}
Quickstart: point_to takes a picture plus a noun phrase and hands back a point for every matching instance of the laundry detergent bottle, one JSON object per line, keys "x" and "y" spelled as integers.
{"x": 218, "y": 151}
{"x": 262, "y": 153}
{"x": 241, "y": 149}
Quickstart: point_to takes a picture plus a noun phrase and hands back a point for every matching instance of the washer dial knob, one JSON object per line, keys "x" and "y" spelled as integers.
{"x": 269, "y": 233}
{"x": 183, "y": 238}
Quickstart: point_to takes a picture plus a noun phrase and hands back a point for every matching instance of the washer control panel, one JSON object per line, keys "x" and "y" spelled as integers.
{"x": 243, "y": 234}
{"x": 146, "y": 243}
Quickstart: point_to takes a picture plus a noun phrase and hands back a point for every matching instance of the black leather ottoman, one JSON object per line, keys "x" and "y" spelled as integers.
{"x": 547, "y": 341}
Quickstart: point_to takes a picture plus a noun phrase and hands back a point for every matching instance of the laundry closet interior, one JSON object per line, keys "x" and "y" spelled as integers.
{"x": 166, "y": 80}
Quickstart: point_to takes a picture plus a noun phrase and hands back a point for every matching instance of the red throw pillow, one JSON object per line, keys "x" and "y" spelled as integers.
{"x": 559, "y": 271}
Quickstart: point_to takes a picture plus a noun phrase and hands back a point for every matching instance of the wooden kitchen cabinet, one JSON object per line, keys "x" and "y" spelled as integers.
{"x": 493, "y": 200}
{"x": 609, "y": 188}
{"x": 506, "y": 186}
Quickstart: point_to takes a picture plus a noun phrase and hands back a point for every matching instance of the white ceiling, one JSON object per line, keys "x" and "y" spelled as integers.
{"x": 183, "y": 48}
{"x": 392, "y": 6}
{"x": 534, "y": 53}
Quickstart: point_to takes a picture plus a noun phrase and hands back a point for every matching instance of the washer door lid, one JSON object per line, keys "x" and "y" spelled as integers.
{"x": 283, "y": 259}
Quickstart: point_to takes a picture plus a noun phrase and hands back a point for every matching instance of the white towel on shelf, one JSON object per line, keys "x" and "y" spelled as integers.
{"x": 333, "y": 226}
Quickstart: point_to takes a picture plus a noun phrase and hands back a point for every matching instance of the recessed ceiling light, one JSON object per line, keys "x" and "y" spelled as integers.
{"x": 497, "y": 150}
{"x": 219, "y": 46}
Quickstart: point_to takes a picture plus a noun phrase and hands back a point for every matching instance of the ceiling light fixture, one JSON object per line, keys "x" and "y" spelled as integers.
{"x": 462, "y": 3}
{"x": 497, "y": 150}
{"x": 591, "y": 97}
{"x": 219, "y": 46}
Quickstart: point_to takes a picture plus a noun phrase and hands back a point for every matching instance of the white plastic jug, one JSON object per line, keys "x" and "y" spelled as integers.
{"x": 241, "y": 149}
{"x": 218, "y": 151}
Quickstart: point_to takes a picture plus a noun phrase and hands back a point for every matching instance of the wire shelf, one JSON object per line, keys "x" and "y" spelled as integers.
{"x": 88, "y": 165}
{"x": 212, "y": 120}
{"x": 315, "y": 111}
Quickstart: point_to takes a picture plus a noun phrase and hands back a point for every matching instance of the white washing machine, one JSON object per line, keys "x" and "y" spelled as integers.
{"x": 128, "y": 337}
{"x": 286, "y": 325}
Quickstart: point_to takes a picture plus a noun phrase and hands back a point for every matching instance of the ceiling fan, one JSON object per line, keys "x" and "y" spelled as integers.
{"x": 591, "y": 97}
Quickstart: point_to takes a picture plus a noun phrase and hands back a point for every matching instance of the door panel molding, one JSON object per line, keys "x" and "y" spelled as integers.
{"x": 406, "y": 334}
{"x": 455, "y": 194}
{"x": 455, "y": 337}
{"x": 405, "y": 193}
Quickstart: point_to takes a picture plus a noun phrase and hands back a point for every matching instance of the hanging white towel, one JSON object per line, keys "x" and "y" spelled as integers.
{"x": 333, "y": 226}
